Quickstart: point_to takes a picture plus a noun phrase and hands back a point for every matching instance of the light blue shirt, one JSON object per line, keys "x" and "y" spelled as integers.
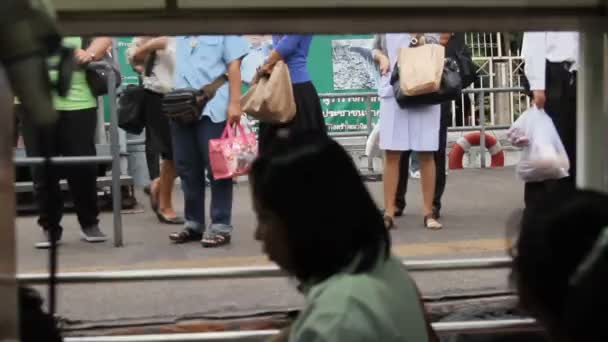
{"x": 199, "y": 60}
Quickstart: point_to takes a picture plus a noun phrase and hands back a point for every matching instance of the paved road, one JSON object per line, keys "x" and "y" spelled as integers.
{"x": 478, "y": 203}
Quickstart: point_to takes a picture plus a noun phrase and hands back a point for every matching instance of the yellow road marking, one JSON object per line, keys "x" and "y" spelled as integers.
{"x": 401, "y": 250}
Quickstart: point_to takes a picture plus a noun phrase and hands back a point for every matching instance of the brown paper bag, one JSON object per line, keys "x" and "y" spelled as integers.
{"x": 420, "y": 69}
{"x": 271, "y": 99}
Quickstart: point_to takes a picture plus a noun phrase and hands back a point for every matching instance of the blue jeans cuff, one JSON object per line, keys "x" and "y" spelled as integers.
{"x": 221, "y": 228}
{"x": 194, "y": 226}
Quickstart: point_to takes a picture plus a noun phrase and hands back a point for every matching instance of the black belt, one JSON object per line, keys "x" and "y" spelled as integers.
{"x": 566, "y": 65}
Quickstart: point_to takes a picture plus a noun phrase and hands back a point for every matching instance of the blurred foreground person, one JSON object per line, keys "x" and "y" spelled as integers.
{"x": 560, "y": 267}
{"x": 35, "y": 325}
{"x": 355, "y": 288}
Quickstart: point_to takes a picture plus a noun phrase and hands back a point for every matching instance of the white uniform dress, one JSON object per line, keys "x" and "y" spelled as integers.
{"x": 411, "y": 129}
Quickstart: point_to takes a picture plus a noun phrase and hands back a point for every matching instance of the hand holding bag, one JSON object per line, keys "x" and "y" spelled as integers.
{"x": 271, "y": 99}
{"x": 232, "y": 155}
{"x": 544, "y": 156}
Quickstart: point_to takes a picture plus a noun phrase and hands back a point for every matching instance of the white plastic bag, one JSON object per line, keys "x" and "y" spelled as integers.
{"x": 372, "y": 147}
{"x": 544, "y": 156}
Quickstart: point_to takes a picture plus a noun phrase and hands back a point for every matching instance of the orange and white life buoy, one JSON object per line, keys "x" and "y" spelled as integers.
{"x": 474, "y": 139}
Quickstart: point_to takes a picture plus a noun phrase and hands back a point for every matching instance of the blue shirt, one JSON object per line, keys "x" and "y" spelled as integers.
{"x": 199, "y": 60}
{"x": 294, "y": 50}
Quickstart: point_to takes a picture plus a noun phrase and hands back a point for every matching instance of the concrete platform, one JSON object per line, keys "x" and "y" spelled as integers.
{"x": 477, "y": 205}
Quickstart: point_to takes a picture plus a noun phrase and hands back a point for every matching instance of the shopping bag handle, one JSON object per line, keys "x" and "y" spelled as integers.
{"x": 230, "y": 132}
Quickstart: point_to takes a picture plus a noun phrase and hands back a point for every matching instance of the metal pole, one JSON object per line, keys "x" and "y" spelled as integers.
{"x": 242, "y": 272}
{"x": 115, "y": 151}
{"x": 472, "y": 327}
{"x": 592, "y": 114}
{"x": 482, "y": 135}
{"x": 368, "y": 103}
{"x": 9, "y": 312}
{"x": 31, "y": 161}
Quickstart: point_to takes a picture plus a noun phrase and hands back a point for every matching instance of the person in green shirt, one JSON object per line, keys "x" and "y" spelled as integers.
{"x": 356, "y": 290}
{"x": 73, "y": 134}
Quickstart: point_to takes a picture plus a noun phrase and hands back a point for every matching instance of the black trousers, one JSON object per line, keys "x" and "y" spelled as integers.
{"x": 440, "y": 160}
{"x": 560, "y": 104}
{"x": 72, "y": 135}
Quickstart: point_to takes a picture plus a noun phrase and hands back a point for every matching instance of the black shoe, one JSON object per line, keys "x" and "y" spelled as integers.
{"x": 93, "y": 234}
{"x": 46, "y": 242}
{"x": 166, "y": 220}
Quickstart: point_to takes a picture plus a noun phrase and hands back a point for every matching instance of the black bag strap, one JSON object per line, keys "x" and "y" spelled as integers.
{"x": 149, "y": 65}
{"x": 210, "y": 89}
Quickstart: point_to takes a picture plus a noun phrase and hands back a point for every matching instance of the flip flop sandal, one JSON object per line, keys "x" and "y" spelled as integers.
{"x": 213, "y": 240}
{"x": 185, "y": 236}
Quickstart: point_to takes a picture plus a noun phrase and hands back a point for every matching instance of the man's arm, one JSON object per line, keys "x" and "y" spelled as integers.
{"x": 378, "y": 55}
{"x": 234, "y": 84}
{"x": 534, "y": 47}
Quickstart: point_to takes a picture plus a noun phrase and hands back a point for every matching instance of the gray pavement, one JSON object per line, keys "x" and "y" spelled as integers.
{"x": 477, "y": 205}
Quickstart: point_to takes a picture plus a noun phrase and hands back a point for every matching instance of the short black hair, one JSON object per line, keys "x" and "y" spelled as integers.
{"x": 550, "y": 249}
{"x": 312, "y": 184}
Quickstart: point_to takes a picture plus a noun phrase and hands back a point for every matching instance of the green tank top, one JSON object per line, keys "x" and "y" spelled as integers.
{"x": 79, "y": 96}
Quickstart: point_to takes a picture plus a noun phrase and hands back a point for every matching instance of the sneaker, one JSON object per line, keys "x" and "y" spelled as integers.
{"x": 415, "y": 174}
{"x": 46, "y": 242}
{"x": 93, "y": 234}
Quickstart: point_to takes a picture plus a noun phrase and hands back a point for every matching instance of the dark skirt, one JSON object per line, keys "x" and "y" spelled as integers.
{"x": 157, "y": 125}
{"x": 309, "y": 116}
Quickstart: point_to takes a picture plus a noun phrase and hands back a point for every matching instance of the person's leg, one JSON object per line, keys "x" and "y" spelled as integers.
{"x": 221, "y": 228}
{"x": 440, "y": 160}
{"x": 427, "y": 181}
{"x": 391, "y": 179}
{"x": 77, "y": 138}
{"x": 166, "y": 183}
{"x": 189, "y": 167}
{"x": 40, "y": 141}
{"x": 157, "y": 124}
{"x": 400, "y": 195}
{"x": 414, "y": 164}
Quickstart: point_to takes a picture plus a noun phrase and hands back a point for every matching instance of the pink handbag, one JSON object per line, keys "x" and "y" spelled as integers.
{"x": 232, "y": 155}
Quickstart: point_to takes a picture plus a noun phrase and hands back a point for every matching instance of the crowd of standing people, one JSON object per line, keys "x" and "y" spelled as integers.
{"x": 343, "y": 263}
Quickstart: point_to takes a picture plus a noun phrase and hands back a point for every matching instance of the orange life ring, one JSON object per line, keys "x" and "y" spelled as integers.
{"x": 474, "y": 139}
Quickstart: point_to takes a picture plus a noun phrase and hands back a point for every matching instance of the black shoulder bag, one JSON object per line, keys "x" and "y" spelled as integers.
{"x": 450, "y": 88}
{"x": 97, "y": 72}
{"x": 131, "y": 116}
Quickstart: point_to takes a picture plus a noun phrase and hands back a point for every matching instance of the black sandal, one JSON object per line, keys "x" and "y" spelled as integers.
{"x": 185, "y": 236}
{"x": 213, "y": 239}
{"x": 389, "y": 222}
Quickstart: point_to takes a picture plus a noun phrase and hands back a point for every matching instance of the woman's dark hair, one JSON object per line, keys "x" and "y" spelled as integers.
{"x": 311, "y": 183}
{"x": 553, "y": 285}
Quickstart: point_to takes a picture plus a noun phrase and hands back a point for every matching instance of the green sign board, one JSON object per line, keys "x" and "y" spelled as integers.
{"x": 337, "y": 63}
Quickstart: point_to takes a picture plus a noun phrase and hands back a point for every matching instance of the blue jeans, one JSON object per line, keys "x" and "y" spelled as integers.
{"x": 191, "y": 156}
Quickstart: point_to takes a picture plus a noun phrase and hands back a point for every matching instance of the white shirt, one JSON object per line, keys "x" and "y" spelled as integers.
{"x": 161, "y": 76}
{"x": 538, "y": 47}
